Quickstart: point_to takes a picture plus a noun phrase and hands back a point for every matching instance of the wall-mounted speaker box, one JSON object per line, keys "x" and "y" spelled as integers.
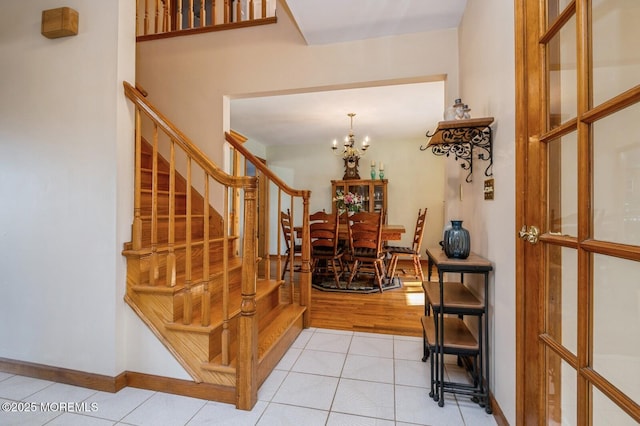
{"x": 60, "y": 22}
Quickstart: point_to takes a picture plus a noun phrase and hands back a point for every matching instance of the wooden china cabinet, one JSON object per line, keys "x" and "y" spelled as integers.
{"x": 373, "y": 192}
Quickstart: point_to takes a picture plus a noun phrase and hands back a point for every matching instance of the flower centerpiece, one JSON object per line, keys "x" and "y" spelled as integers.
{"x": 348, "y": 202}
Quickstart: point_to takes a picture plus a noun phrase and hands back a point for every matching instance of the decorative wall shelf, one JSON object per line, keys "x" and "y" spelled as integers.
{"x": 459, "y": 138}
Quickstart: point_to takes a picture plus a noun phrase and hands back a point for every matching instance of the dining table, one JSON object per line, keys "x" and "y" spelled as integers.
{"x": 389, "y": 232}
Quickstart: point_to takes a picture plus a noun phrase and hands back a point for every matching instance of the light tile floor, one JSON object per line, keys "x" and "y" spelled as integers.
{"x": 328, "y": 377}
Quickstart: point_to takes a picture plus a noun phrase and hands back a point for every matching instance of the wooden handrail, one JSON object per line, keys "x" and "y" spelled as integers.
{"x": 184, "y": 142}
{"x": 237, "y": 145}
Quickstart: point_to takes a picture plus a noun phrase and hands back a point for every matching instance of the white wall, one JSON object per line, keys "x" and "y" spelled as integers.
{"x": 188, "y": 77}
{"x": 65, "y": 185}
{"x": 487, "y": 85}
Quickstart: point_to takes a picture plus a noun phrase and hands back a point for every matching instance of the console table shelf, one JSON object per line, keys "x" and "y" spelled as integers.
{"x": 450, "y": 334}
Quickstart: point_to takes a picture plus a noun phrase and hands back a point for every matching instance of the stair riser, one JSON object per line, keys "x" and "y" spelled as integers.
{"x": 215, "y": 292}
{"x": 146, "y": 180}
{"x": 146, "y": 197}
{"x": 264, "y": 308}
{"x": 197, "y": 259}
{"x": 180, "y": 235}
{"x": 215, "y": 340}
{"x": 163, "y": 204}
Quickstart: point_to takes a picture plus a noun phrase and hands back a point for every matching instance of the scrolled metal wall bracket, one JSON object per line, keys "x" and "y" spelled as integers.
{"x": 460, "y": 138}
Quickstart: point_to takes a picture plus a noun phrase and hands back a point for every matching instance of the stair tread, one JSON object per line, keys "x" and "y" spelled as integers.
{"x": 162, "y": 192}
{"x": 263, "y": 288}
{"x": 285, "y": 316}
{"x": 128, "y": 250}
{"x": 234, "y": 263}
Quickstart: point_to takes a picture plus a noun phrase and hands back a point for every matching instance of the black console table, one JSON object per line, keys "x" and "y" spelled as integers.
{"x": 450, "y": 334}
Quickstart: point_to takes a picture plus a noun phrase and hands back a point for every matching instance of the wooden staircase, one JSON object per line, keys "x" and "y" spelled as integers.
{"x": 185, "y": 279}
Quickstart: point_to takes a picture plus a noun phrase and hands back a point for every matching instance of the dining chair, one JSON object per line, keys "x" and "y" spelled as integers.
{"x": 396, "y": 252}
{"x": 326, "y": 253}
{"x": 365, "y": 243}
{"x": 289, "y": 241}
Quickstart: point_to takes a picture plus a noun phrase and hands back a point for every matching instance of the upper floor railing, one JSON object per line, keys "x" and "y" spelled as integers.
{"x": 169, "y": 18}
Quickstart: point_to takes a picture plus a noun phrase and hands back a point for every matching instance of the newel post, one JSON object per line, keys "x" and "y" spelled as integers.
{"x": 247, "y": 367}
{"x": 305, "y": 275}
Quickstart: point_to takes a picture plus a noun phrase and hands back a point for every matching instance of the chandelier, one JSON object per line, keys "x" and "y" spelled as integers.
{"x": 350, "y": 150}
{"x": 350, "y": 153}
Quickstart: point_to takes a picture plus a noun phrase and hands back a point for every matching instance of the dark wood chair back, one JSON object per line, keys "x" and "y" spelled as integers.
{"x": 365, "y": 233}
{"x": 289, "y": 240}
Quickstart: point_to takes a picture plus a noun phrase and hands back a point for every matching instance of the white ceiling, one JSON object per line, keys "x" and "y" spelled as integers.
{"x": 334, "y": 21}
{"x": 399, "y": 112}
{"x": 404, "y": 111}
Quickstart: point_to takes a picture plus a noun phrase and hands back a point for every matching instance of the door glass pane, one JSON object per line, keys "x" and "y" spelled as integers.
{"x": 561, "y": 391}
{"x": 616, "y": 317}
{"x": 605, "y": 412}
{"x": 616, "y": 47}
{"x": 562, "y": 294}
{"x": 616, "y": 176}
{"x": 561, "y": 55}
{"x": 563, "y": 185}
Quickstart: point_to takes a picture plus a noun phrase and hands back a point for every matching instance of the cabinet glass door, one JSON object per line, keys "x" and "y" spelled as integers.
{"x": 378, "y": 198}
{"x": 363, "y": 192}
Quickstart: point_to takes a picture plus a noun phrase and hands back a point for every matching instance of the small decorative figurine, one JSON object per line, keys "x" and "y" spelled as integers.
{"x": 456, "y": 111}
{"x": 459, "y": 109}
{"x": 467, "y": 112}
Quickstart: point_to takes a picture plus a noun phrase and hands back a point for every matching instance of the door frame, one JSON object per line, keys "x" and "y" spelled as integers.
{"x": 528, "y": 315}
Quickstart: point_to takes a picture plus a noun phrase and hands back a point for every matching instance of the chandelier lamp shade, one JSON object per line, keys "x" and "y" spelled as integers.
{"x": 351, "y": 153}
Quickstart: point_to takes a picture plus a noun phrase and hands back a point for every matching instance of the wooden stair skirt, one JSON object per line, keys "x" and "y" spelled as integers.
{"x": 161, "y": 303}
{"x": 199, "y": 349}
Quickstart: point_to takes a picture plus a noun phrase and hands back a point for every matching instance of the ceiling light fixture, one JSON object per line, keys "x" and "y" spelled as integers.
{"x": 350, "y": 152}
{"x": 350, "y": 149}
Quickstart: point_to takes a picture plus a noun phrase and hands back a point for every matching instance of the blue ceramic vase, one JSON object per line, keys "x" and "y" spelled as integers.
{"x": 457, "y": 242}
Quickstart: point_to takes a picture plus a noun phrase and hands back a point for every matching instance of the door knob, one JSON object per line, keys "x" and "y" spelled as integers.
{"x": 530, "y": 235}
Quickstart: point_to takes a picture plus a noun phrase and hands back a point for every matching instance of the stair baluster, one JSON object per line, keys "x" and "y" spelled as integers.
{"x": 136, "y": 228}
{"x": 206, "y": 296}
{"x": 188, "y": 302}
{"x": 226, "y": 342}
{"x": 171, "y": 255}
{"x": 154, "y": 272}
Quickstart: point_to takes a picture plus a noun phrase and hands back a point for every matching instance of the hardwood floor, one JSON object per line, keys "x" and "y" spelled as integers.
{"x": 391, "y": 312}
